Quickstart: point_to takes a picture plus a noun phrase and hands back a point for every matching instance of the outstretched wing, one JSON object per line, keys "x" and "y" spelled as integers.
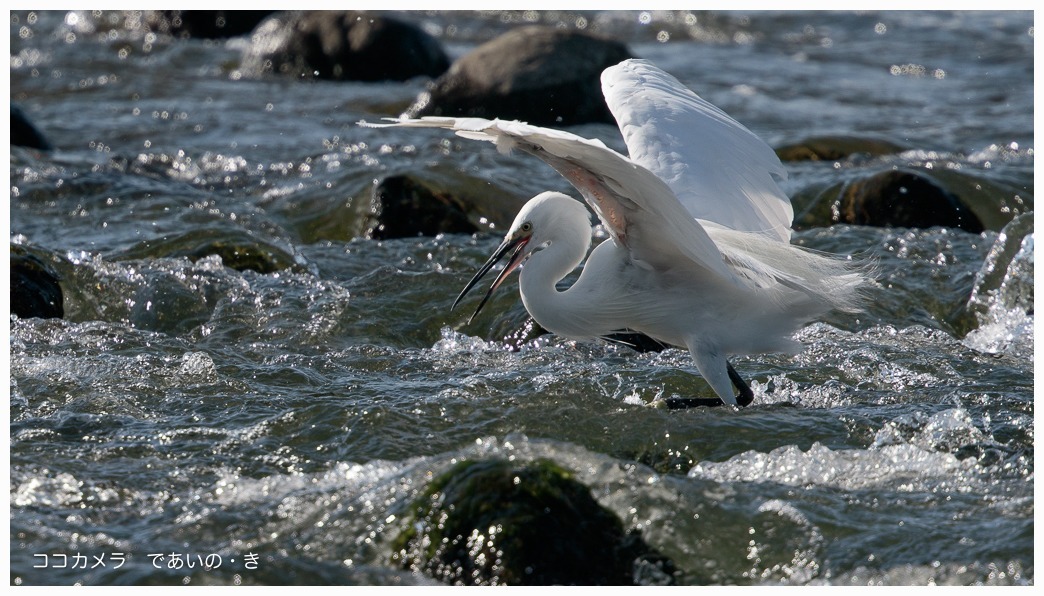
{"x": 638, "y": 209}
{"x": 719, "y": 170}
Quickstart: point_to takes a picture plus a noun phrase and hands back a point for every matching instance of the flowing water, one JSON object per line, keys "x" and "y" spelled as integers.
{"x": 186, "y": 412}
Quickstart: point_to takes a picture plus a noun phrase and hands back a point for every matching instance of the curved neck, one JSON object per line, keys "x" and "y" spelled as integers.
{"x": 554, "y": 309}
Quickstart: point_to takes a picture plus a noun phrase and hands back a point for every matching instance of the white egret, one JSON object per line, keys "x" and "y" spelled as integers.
{"x": 699, "y": 253}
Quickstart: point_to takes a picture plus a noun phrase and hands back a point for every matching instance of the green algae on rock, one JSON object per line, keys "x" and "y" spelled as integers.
{"x": 498, "y": 522}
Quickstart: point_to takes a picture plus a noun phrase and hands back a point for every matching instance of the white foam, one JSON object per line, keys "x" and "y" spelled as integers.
{"x": 902, "y": 467}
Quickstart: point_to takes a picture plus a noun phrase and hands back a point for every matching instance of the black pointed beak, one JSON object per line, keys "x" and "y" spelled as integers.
{"x": 505, "y": 247}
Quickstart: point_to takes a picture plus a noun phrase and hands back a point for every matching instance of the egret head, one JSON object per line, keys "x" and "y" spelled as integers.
{"x": 544, "y": 219}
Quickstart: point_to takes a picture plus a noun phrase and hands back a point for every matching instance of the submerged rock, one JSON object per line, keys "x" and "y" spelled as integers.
{"x": 35, "y": 287}
{"x": 344, "y": 46}
{"x": 541, "y": 75}
{"x": 238, "y": 250}
{"x": 902, "y": 198}
{"x": 402, "y": 206}
{"x": 497, "y": 522}
{"x": 168, "y": 305}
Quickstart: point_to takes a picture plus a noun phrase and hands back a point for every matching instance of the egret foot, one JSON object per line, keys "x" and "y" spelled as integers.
{"x": 745, "y": 397}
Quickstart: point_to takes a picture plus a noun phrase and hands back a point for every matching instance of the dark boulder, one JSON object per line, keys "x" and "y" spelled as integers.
{"x": 901, "y": 198}
{"x": 497, "y": 522}
{"x": 24, "y": 133}
{"x": 907, "y": 199}
{"x": 541, "y": 75}
{"x": 403, "y": 207}
{"x": 344, "y": 46}
{"x": 205, "y": 24}
{"x": 35, "y": 287}
{"x": 435, "y": 199}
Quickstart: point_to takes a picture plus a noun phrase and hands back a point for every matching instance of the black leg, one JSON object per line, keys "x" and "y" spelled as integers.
{"x": 745, "y": 397}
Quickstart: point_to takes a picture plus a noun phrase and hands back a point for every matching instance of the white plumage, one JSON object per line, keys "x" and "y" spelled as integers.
{"x": 700, "y": 252}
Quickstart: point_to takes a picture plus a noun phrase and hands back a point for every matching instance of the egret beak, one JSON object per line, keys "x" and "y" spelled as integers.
{"x": 517, "y": 244}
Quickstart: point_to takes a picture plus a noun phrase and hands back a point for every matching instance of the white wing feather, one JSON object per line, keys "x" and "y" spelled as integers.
{"x": 718, "y": 169}
{"x": 732, "y": 219}
{"x": 637, "y": 208}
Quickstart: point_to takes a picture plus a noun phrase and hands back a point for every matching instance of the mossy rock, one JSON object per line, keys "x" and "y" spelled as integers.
{"x": 238, "y": 249}
{"x": 435, "y": 200}
{"x": 913, "y": 197}
{"x": 495, "y": 522}
{"x": 836, "y": 147}
{"x": 891, "y": 198}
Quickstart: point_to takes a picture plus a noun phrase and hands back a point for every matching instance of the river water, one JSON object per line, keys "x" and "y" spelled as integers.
{"x": 282, "y": 421}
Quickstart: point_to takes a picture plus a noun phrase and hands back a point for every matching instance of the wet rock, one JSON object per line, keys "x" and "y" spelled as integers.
{"x": 994, "y": 201}
{"x": 35, "y": 287}
{"x": 238, "y": 250}
{"x": 168, "y": 305}
{"x": 498, "y": 522}
{"x": 833, "y": 148}
{"x": 24, "y": 133}
{"x": 520, "y": 335}
{"x": 902, "y": 198}
{"x": 355, "y": 208}
{"x": 206, "y": 24}
{"x": 402, "y": 206}
{"x": 344, "y": 46}
{"x": 541, "y": 75}
{"x": 488, "y": 204}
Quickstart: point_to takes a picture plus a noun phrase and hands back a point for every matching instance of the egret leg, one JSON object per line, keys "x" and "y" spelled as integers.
{"x": 721, "y": 379}
{"x": 746, "y": 396}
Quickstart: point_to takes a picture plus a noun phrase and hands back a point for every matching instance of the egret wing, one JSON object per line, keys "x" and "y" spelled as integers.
{"x": 718, "y": 169}
{"x": 637, "y": 208}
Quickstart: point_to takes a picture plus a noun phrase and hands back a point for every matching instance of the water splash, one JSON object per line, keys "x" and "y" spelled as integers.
{"x": 1002, "y": 299}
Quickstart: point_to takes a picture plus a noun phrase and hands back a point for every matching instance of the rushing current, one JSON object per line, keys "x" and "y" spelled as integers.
{"x": 189, "y": 421}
